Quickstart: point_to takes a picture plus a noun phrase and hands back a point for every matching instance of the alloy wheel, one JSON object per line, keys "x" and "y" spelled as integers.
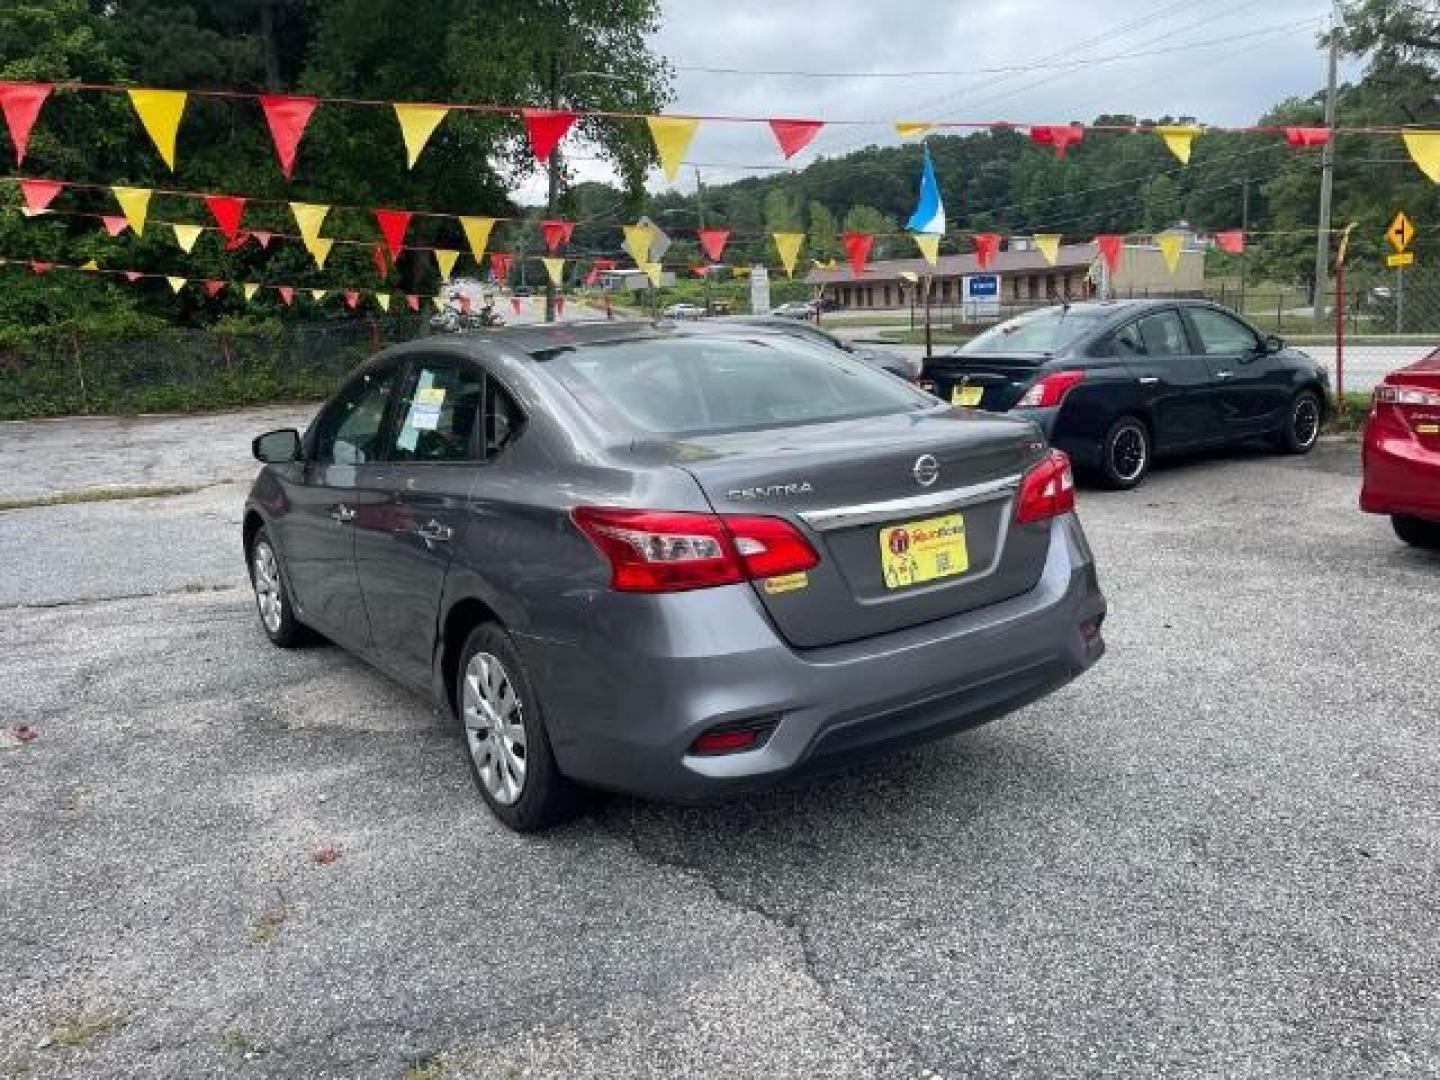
{"x": 1128, "y": 453}
{"x": 268, "y": 595}
{"x": 1306, "y": 421}
{"x": 494, "y": 727}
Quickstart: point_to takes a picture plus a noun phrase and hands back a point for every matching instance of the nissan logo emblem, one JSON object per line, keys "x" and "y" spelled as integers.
{"x": 926, "y": 470}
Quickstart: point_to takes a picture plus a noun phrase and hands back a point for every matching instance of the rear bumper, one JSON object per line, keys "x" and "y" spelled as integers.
{"x": 1401, "y": 476}
{"x": 624, "y": 704}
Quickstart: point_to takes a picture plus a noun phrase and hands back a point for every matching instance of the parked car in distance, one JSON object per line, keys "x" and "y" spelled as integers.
{"x": 898, "y": 364}
{"x": 672, "y": 562}
{"x": 795, "y": 309}
{"x": 1116, "y": 383}
{"x": 683, "y": 311}
{"x": 1402, "y": 452}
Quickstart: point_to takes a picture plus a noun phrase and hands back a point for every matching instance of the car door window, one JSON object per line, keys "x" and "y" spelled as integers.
{"x": 1163, "y": 334}
{"x": 1222, "y": 335}
{"x": 1127, "y": 341}
{"x": 437, "y": 413}
{"x": 350, "y": 429}
{"x": 503, "y": 419}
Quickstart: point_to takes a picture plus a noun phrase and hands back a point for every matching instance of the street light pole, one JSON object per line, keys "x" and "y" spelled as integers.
{"x": 1327, "y": 178}
{"x": 700, "y": 218}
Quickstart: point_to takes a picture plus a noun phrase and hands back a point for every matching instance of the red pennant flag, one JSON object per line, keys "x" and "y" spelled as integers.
{"x": 986, "y": 245}
{"x": 352, "y": 298}
{"x": 287, "y": 116}
{"x": 794, "y": 135}
{"x": 1231, "y": 240}
{"x": 263, "y": 238}
{"x": 1307, "y": 136}
{"x": 1110, "y": 249}
{"x": 412, "y": 300}
{"x": 21, "y": 103}
{"x": 226, "y": 210}
{"x": 559, "y": 305}
{"x": 546, "y": 127}
{"x": 515, "y": 304}
{"x": 557, "y": 233}
{"x": 287, "y": 293}
{"x": 500, "y": 264}
{"x": 464, "y": 304}
{"x": 133, "y": 276}
{"x": 213, "y": 286}
{"x": 382, "y": 268}
{"x": 857, "y": 250}
{"x": 237, "y": 241}
{"x": 41, "y": 267}
{"x": 115, "y": 224}
{"x": 38, "y": 193}
{"x": 393, "y": 225}
{"x": 713, "y": 241}
{"x": 1060, "y": 136}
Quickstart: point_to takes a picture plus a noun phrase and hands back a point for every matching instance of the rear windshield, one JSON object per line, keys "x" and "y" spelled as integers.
{"x": 1045, "y": 331}
{"x": 693, "y": 385}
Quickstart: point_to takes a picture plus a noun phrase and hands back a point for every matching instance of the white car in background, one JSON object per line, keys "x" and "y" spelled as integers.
{"x": 683, "y": 311}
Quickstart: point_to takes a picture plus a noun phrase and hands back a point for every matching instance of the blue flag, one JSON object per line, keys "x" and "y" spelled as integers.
{"x": 929, "y": 215}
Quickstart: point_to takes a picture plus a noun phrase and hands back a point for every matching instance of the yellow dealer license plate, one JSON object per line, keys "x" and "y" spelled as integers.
{"x": 968, "y": 396}
{"x": 921, "y": 551}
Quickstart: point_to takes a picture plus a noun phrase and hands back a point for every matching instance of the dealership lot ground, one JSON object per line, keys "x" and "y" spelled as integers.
{"x": 1216, "y": 854}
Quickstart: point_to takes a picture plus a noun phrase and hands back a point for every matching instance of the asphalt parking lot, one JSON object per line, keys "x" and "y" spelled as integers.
{"x": 1216, "y": 854}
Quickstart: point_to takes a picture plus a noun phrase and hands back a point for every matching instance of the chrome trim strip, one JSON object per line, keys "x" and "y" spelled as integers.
{"x": 842, "y": 517}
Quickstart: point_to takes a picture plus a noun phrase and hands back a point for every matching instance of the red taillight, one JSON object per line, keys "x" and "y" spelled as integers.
{"x": 670, "y": 551}
{"x": 1050, "y": 390}
{"x": 1048, "y": 489}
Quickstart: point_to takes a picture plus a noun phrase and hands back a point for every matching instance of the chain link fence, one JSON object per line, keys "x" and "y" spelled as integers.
{"x": 67, "y": 373}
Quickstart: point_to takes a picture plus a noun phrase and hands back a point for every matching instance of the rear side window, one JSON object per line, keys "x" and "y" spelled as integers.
{"x": 696, "y": 385}
{"x": 438, "y": 414}
{"x": 1160, "y": 334}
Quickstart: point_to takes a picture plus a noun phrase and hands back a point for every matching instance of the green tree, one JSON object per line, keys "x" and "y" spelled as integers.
{"x": 823, "y": 239}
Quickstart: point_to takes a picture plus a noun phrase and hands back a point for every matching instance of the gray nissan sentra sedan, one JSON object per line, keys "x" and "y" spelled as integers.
{"x": 672, "y": 562}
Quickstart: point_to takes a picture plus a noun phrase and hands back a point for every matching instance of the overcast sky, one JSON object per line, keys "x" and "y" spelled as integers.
{"x": 1223, "y": 61}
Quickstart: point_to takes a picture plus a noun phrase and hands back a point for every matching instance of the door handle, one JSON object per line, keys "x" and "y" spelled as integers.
{"x": 342, "y": 513}
{"x": 1149, "y": 380}
{"x": 433, "y": 530}
{"x": 1223, "y": 374}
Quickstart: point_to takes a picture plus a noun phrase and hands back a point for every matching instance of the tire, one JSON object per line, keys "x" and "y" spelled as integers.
{"x": 1125, "y": 454}
{"x": 512, "y": 764}
{"x": 1301, "y": 429}
{"x": 1417, "y": 532}
{"x": 272, "y": 595}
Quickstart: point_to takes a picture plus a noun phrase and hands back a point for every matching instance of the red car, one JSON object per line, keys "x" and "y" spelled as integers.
{"x": 1402, "y": 452}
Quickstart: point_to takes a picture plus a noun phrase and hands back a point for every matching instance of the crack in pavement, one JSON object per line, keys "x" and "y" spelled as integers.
{"x": 791, "y": 922}
{"x": 194, "y": 589}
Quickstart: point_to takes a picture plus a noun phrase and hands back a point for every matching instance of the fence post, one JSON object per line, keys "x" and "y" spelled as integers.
{"x": 1340, "y": 333}
{"x": 80, "y": 372}
{"x": 1280, "y": 310}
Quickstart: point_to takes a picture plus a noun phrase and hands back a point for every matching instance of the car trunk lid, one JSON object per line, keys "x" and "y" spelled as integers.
{"x": 912, "y": 516}
{"x": 993, "y": 382}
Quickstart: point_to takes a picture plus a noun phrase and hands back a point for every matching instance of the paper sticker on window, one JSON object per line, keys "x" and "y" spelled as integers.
{"x": 425, "y": 412}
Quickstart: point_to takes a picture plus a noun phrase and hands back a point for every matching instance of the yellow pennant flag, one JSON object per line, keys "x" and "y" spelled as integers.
{"x": 89, "y": 264}
{"x": 1178, "y": 138}
{"x": 788, "y": 245}
{"x": 477, "y": 233}
{"x": 186, "y": 235}
{"x": 317, "y": 295}
{"x": 912, "y": 129}
{"x": 309, "y": 217}
{"x": 383, "y": 299}
{"x": 638, "y": 239}
{"x": 929, "y": 245}
{"x": 176, "y": 283}
{"x": 134, "y": 204}
{"x": 1048, "y": 244}
{"x": 319, "y": 249}
{"x": 160, "y": 112}
{"x": 653, "y": 270}
{"x": 672, "y": 135}
{"x": 1170, "y": 249}
{"x": 445, "y": 258}
{"x": 249, "y": 289}
{"x": 555, "y": 268}
{"x": 1424, "y": 147}
{"x": 417, "y": 124}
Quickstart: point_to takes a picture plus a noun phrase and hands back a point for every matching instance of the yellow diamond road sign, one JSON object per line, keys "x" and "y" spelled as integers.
{"x": 1400, "y": 232}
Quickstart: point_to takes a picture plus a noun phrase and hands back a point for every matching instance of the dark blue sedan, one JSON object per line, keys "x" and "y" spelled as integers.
{"x": 1116, "y": 383}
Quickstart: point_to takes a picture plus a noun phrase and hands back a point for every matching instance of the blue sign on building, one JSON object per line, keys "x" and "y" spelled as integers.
{"x": 982, "y": 286}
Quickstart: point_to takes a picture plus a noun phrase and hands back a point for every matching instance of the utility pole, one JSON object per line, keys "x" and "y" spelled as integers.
{"x": 1244, "y": 235}
{"x": 700, "y": 220}
{"x": 552, "y": 184}
{"x": 1327, "y": 177}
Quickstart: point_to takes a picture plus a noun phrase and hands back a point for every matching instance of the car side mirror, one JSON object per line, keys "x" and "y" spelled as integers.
{"x": 1273, "y": 343}
{"x": 277, "y": 447}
